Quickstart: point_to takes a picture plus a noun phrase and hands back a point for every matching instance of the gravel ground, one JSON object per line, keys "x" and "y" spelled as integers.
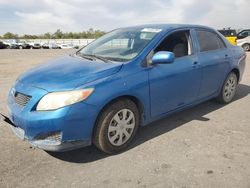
{"x": 205, "y": 146}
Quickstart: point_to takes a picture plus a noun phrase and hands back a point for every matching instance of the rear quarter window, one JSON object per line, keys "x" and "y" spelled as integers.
{"x": 209, "y": 41}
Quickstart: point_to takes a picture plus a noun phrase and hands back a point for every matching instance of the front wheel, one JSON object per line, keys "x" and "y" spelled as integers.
{"x": 116, "y": 126}
{"x": 229, "y": 89}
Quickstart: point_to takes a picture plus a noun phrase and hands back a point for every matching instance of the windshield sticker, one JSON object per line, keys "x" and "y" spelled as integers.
{"x": 151, "y": 30}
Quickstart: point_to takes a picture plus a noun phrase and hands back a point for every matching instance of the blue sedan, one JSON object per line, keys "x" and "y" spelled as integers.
{"x": 128, "y": 78}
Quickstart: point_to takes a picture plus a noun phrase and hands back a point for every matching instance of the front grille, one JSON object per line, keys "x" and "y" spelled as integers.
{"x": 21, "y": 99}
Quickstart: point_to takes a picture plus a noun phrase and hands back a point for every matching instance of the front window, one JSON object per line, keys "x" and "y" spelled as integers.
{"x": 120, "y": 45}
{"x": 178, "y": 42}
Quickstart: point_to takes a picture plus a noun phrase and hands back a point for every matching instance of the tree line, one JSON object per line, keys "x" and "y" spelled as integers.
{"x": 89, "y": 34}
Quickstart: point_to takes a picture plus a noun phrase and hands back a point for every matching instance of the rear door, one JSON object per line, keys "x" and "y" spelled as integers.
{"x": 214, "y": 58}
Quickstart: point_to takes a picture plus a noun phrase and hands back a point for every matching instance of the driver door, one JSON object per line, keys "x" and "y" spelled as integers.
{"x": 175, "y": 85}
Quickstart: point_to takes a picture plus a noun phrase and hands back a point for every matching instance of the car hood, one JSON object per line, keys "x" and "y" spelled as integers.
{"x": 68, "y": 73}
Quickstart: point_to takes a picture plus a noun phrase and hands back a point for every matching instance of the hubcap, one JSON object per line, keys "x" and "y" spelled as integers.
{"x": 121, "y": 127}
{"x": 246, "y": 47}
{"x": 230, "y": 88}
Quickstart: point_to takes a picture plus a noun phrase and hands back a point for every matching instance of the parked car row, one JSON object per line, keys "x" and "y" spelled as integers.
{"x": 13, "y": 44}
{"x": 241, "y": 38}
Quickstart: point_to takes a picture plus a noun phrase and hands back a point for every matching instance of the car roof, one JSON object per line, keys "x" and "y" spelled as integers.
{"x": 170, "y": 26}
{"x": 244, "y": 30}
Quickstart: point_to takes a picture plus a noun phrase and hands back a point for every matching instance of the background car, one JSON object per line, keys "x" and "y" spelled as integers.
{"x": 230, "y": 35}
{"x": 45, "y": 46}
{"x": 50, "y": 46}
{"x": 76, "y": 47}
{"x": 244, "y": 43}
{"x": 243, "y": 34}
{"x": 68, "y": 46}
{"x": 243, "y": 39}
{"x": 23, "y": 45}
{"x": 35, "y": 46}
{"x": 2, "y": 45}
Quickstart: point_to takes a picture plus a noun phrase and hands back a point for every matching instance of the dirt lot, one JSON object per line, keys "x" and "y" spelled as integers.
{"x": 206, "y": 146}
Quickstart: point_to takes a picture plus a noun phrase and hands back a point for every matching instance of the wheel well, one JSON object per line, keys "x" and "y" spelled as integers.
{"x": 137, "y": 102}
{"x": 245, "y": 43}
{"x": 236, "y": 71}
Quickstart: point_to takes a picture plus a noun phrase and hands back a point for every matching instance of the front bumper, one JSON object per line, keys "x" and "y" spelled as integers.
{"x": 47, "y": 144}
{"x": 58, "y": 130}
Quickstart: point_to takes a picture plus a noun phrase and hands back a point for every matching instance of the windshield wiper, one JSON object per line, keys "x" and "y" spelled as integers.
{"x": 99, "y": 57}
{"x": 79, "y": 54}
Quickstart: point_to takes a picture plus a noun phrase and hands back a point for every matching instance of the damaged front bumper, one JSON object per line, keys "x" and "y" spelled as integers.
{"x": 49, "y": 142}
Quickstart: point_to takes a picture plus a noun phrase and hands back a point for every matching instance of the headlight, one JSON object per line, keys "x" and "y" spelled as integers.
{"x": 55, "y": 100}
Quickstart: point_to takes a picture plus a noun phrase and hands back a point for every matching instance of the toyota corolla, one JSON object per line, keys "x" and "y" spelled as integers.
{"x": 125, "y": 79}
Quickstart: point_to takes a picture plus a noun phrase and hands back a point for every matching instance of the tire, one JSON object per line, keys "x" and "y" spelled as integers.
{"x": 246, "y": 47}
{"x": 229, "y": 89}
{"x": 116, "y": 126}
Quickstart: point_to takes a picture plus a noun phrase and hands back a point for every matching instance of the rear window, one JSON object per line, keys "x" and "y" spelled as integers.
{"x": 209, "y": 41}
{"x": 228, "y": 32}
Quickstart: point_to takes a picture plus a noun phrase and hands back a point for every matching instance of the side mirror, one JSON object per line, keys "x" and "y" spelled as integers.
{"x": 163, "y": 57}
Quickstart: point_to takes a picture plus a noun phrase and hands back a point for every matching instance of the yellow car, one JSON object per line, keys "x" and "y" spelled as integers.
{"x": 230, "y": 35}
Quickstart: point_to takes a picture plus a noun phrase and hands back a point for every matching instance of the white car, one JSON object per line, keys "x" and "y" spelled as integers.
{"x": 244, "y": 43}
{"x": 65, "y": 46}
{"x": 68, "y": 46}
{"x": 35, "y": 45}
{"x": 244, "y": 39}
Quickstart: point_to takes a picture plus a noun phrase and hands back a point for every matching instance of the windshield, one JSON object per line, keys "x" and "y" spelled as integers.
{"x": 121, "y": 44}
{"x": 243, "y": 34}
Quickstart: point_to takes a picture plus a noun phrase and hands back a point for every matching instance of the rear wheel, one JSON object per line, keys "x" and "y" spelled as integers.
{"x": 246, "y": 47}
{"x": 116, "y": 126}
{"x": 229, "y": 89}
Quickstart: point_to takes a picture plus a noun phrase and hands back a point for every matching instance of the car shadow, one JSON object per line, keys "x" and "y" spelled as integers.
{"x": 155, "y": 129}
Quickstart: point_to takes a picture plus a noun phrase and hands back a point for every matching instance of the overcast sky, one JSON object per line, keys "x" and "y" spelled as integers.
{"x": 40, "y": 16}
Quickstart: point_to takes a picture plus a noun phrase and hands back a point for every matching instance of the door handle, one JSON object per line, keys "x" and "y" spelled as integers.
{"x": 195, "y": 64}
